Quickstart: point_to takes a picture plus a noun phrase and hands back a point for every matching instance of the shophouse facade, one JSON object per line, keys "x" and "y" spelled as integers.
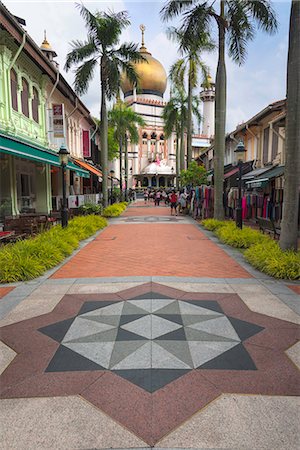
{"x": 31, "y": 88}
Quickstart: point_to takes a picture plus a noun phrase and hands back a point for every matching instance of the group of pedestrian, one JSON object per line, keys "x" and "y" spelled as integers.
{"x": 174, "y": 198}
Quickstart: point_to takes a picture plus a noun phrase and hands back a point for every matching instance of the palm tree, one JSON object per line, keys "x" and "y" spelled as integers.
{"x": 189, "y": 65}
{"x": 175, "y": 116}
{"x": 237, "y": 20}
{"x": 125, "y": 123}
{"x": 101, "y": 50}
{"x": 289, "y": 224}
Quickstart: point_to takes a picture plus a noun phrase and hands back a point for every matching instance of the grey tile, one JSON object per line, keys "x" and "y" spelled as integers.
{"x": 140, "y": 359}
{"x": 163, "y": 359}
{"x": 123, "y": 349}
{"x": 99, "y": 354}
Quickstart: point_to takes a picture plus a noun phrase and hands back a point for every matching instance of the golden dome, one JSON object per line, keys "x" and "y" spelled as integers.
{"x": 151, "y": 74}
{"x": 46, "y": 46}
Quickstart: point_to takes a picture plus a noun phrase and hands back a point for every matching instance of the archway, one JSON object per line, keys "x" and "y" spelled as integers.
{"x": 162, "y": 181}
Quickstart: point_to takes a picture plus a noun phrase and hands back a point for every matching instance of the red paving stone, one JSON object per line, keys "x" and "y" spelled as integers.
{"x": 295, "y": 288}
{"x": 5, "y": 290}
{"x": 147, "y": 210}
{"x": 150, "y": 416}
{"x": 151, "y": 250}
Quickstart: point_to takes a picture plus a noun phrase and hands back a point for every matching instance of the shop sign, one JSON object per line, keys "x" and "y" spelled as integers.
{"x": 58, "y": 120}
{"x": 86, "y": 143}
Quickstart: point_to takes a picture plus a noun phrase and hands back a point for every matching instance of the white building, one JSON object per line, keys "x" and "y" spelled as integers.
{"x": 151, "y": 162}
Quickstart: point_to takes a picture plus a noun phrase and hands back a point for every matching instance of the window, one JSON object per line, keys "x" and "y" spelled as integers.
{"x": 35, "y": 105}
{"x": 14, "y": 89}
{"x": 266, "y": 145}
{"x": 25, "y": 97}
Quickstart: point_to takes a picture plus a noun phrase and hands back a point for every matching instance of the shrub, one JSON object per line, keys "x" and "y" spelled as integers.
{"x": 231, "y": 235}
{"x": 269, "y": 258}
{"x": 90, "y": 208}
{"x": 29, "y": 259}
{"x": 114, "y": 210}
{"x": 213, "y": 224}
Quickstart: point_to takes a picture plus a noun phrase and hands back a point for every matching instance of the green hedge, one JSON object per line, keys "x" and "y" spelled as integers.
{"x": 269, "y": 258}
{"x": 231, "y": 235}
{"x": 213, "y": 224}
{"x": 90, "y": 208}
{"x": 262, "y": 252}
{"x": 114, "y": 210}
{"x": 30, "y": 258}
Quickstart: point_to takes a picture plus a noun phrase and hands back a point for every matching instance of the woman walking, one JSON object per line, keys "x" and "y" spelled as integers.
{"x": 173, "y": 202}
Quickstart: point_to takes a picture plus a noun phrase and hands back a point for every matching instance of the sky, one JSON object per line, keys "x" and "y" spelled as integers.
{"x": 250, "y": 88}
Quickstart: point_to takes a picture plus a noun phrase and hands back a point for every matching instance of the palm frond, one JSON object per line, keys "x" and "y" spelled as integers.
{"x": 83, "y": 76}
{"x": 129, "y": 52}
{"x": 196, "y": 23}
{"x": 90, "y": 19}
{"x": 264, "y": 14}
{"x": 80, "y": 51}
{"x": 239, "y": 32}
{"x": 173, "y": 8}
{"x": 177, "y": 72}
{"x": 112, "y": 77}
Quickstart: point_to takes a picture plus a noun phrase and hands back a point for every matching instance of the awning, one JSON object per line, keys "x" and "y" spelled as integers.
{"x": 89, "y": 167}
{"x": 230, "y": 173}
{"x": 276, "y": 172}
{"x": 79, "y": 172}
{"x": 255, "y": 173}
{"x": 35, "y": 153}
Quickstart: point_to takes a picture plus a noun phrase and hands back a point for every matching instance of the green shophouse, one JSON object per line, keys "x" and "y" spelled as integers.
{"x": 25, "y": 158}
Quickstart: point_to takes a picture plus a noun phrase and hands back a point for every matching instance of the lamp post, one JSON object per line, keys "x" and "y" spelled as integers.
{"x": 111, "y": 173}
{"x": 172, "y": 171}
{"x": 240, "y": 153}
{"x": 63, "y": 159}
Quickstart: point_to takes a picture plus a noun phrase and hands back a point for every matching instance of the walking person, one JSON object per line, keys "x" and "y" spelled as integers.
{"x": 146, "y": 196}
{"x": 157, "y": 198}
{"x": 173, "y": 202}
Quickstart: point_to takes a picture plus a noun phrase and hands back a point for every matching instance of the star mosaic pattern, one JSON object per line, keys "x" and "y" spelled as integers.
{"x": 151, "y": 341}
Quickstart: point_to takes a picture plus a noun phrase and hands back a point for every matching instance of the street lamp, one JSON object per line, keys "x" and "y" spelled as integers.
{"x": 63, "y": 159}
{"x": 240, "y": 153}
{"x": 111, "y": 173}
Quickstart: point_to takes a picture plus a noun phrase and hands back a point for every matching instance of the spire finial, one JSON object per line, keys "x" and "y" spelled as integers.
{"x": 45, "y": 35}
{"x": 143, "y": 28}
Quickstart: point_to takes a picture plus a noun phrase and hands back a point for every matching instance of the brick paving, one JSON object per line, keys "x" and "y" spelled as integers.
{"x": 5, "y": 290}
{"x": 295, "y": 288}
{"x": 147, "y": 364}
{"x": 151, "y": 250}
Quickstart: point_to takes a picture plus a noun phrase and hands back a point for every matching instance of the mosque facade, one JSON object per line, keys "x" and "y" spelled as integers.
{"x": 152, "y": 161}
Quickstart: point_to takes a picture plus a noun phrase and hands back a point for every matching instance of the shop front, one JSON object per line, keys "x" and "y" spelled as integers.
{"x": 25, "y": 177}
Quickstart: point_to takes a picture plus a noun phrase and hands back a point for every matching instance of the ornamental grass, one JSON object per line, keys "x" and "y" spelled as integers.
{"x": 114, "y": 210}
{"x": 261, "y": 251}
{"x": 240, "y": 238}
{"x": 270, "y": 259}
{"x": 28, "y": 259}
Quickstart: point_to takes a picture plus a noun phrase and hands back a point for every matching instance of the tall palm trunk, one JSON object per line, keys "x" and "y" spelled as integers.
{"x": 289, "y": 224}
{"x": 189, "y": 117}
{"x": 120, "y": 166}
{"x": 126, "y": 167}
{"x": 182, "y": 146}
{"x": 220, "y": 120}
{"x": 104, "y": 135}
{"x": 177, "y": 158}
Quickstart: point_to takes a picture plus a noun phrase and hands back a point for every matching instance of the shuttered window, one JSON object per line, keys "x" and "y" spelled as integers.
{"x": 14, "y": 89}
{"x": 25, "y": 97}
{"x": 266, "y": 145}
{"x": 35, "y": 105}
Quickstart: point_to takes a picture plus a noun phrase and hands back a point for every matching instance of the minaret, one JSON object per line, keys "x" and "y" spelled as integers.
{"x": 208, "y": 95}
{"x": 48, "y": 51}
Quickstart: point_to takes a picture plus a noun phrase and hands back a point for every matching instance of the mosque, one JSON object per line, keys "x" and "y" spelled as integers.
{"x": 152, "y": 162}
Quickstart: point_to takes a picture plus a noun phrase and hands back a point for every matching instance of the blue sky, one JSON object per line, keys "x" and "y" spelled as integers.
{"x": 260, "y": 81}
